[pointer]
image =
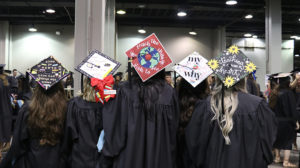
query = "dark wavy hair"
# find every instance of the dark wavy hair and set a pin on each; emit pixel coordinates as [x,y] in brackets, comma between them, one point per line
[284,84]
[149,91]
[188,96]
[47,114]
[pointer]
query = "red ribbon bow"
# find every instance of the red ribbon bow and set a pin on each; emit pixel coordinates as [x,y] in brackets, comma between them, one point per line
[100,86]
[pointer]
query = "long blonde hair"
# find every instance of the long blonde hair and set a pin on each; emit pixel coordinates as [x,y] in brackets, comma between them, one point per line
[231,102]
[88,91]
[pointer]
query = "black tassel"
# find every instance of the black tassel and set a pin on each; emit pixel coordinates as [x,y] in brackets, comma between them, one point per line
[222,101]
[129,72]
[81,83]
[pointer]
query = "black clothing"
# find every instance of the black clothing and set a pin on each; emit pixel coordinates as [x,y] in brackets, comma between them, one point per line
[83,127]
[132,139]
[252,136]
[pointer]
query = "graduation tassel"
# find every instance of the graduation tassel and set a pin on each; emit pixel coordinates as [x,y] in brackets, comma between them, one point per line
[222,101]
[175,84]
[81,83]
[129,72]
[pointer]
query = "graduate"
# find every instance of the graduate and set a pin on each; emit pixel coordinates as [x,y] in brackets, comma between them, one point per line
[191,89]
[140,123]
[231,129]
[84,117]
[283,103]
[40,124]
[5,109]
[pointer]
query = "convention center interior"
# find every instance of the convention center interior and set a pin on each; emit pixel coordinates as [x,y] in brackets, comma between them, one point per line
[149,83]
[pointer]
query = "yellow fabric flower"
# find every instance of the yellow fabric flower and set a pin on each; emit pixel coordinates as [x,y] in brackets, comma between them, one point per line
[213,64]
[233,49]
[250,67]
[229,81]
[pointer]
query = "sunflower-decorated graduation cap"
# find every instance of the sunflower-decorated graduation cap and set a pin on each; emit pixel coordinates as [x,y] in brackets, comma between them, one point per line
[48,72]
[193,69]
[232,66]
[97,65]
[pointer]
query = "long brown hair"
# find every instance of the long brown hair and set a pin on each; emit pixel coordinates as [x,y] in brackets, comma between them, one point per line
[47,114]
[3,77]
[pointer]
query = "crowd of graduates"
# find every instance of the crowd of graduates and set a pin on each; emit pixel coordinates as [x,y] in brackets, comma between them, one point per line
[157,123]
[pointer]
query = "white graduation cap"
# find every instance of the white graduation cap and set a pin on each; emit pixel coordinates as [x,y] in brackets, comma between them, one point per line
[193,69]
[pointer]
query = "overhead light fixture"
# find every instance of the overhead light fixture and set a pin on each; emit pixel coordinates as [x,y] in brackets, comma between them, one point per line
[299,19]
[297,38]
[193,33]
[231,2]
[51,11]
[121,12]
[32,29]
[142,6]
[254,36]
[297,55]
[247,35]
[142,31]
[249,16]
[58,32]
[181,14]
[293,37]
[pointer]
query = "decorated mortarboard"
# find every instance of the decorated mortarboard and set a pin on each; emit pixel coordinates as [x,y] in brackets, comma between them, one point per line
[149,57]
[232,66]
[193,69]
[98,65]
[48,72]
[100,68]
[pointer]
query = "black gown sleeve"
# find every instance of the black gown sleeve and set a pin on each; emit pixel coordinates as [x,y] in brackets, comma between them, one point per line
[115,128]
[18,147]
[196,143]
[267,130]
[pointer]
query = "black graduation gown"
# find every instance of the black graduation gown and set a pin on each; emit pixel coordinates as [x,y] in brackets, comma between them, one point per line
[252,136]
[134,141]
[26,152]
[83,127]
[286,114]
[5,113]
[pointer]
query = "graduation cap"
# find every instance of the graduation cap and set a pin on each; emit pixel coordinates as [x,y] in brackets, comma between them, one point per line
[2,68]
[99,68]
[48,72]
[296,70]
[148,57]
[232,66]
[282,77]
[193,69]
[7,71]
[97,65]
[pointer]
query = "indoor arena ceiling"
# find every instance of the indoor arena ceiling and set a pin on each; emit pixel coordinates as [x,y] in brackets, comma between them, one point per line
[200,14]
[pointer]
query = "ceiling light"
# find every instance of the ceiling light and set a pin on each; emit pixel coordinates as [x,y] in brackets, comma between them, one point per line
[297,38]
[181,14]
[247,35]
[32,29]
[121,12]
[299,19]
[58,32]
[293,37]
[142,6]
[193,33]
[231,2]
[297,55]
[249,16]
[142,31]
[50,11]
[254,36]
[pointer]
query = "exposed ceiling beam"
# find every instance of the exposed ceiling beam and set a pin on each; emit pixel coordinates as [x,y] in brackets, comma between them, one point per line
[36,4]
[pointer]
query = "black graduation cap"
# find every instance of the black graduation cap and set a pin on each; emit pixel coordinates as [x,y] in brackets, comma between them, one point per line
[168,73]
[7,71]
[282,77]
[296,70]
[232,66]
[48,72]
[2,68]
